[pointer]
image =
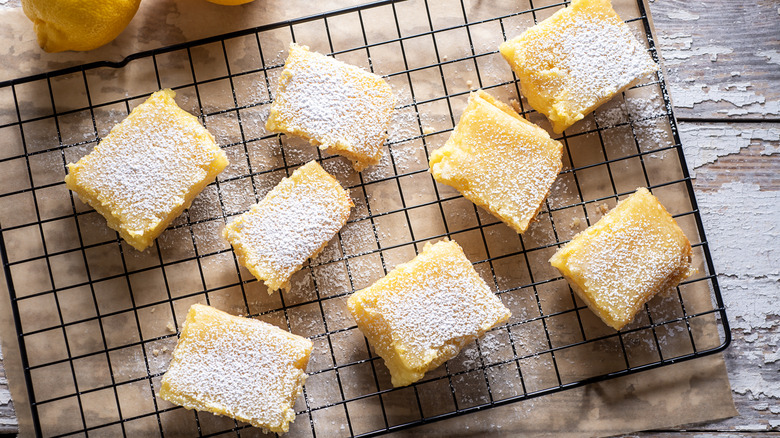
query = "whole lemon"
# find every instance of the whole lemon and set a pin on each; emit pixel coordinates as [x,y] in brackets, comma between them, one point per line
[78,24]
[230,2]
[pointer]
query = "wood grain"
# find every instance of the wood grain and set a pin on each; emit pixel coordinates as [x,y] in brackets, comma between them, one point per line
[724,67]
[758,162]
[7,414]
[722,57]
[702,434]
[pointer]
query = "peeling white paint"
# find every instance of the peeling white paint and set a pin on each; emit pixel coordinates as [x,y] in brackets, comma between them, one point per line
[744,254]
[682,15]
[739,94]
[743,226]
[772,358]
[772,56]
[679,49]
[683,49]
[703,145]
[751,427]
[751,380]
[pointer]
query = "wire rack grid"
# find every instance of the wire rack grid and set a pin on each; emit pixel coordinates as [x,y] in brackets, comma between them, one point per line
[97,320]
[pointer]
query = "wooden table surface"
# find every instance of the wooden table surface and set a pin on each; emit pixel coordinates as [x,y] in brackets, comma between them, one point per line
[723,62]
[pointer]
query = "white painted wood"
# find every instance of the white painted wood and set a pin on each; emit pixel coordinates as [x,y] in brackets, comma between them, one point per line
[7,415]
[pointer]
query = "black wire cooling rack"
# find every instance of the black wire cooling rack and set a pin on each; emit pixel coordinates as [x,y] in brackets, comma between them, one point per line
[97,320]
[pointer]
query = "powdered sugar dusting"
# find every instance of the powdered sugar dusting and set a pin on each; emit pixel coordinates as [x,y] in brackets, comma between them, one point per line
[499,162]
[577,59]
[148,165]
[291,224]
[632,253]
[432,305]
[601,58]
[614,279]
[338,106]
[248,369]
[439,310]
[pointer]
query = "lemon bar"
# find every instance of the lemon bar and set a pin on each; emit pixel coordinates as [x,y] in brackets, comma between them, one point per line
[148,169]
[424,311]
[292,223]
[499,161]
[576,60]
[246,369]
[632,253]
[343,109]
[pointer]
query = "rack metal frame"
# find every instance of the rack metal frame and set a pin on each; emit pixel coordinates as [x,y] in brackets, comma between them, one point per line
[17,297]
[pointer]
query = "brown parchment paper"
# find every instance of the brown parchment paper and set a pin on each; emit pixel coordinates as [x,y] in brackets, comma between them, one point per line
[684,393]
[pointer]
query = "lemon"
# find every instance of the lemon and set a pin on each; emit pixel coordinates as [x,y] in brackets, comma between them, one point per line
[230,2]
[78,24]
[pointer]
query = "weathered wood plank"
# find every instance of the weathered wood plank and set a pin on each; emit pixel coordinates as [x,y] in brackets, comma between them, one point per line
[723,57]
[7,415]
[739,195]
[721,153]
[701,434]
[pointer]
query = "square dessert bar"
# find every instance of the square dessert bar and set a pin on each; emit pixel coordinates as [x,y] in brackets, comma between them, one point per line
[342,108]
[499,161]
[634,252]
[576,60]
[424,311]
[293,223]
[148,169]
[246,369]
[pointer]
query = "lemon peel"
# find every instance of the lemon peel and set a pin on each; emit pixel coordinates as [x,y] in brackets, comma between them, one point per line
[78,25]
